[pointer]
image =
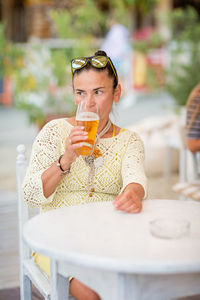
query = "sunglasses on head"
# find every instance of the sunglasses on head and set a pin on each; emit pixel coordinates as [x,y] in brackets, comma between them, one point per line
[97,61]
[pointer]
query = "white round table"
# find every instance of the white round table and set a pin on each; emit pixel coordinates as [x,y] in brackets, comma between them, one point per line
[115,253]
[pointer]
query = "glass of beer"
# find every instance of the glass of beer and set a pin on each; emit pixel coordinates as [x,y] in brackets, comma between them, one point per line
[87,115]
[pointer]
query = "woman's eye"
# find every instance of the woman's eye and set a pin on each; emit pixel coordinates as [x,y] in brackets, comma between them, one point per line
[99,92]
[79,93]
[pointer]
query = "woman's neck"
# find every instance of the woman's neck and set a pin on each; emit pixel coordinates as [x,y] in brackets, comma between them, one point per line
[101,127]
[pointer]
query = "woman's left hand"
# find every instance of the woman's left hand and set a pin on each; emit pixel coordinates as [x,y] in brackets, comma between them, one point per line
[129,201]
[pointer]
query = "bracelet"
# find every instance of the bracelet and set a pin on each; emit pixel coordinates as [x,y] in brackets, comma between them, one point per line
[63,172]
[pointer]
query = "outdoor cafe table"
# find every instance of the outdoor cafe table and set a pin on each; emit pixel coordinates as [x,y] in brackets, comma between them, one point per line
[114,252]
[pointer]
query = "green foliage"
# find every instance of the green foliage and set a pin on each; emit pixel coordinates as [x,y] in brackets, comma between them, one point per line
[88,19]
[84,19]
[40,87]
[35,114]
[80,26]
[58,58]
[182,73]
[10,55]
[62,23]
[120,12]
[2,50]
[123,11]
[185,26]
[181,77]
[153,42]
[143,5]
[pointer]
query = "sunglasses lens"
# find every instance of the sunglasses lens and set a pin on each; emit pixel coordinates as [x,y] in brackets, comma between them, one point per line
[96,61]
[78,63]
[99,61]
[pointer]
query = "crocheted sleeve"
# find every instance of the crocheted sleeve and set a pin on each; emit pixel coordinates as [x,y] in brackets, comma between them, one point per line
[45,152]
[133,163]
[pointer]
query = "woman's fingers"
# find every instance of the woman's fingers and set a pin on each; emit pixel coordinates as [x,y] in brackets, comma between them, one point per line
[77,134]
[128,202]
[128,206]
[123,203]
[76,138]
[77,145]
[134,209]
[78,130]
[74,141]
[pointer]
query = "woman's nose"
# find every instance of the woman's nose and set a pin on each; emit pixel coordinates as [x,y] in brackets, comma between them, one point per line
[90,101]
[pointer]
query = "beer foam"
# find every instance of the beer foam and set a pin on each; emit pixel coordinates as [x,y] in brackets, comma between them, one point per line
[87,116]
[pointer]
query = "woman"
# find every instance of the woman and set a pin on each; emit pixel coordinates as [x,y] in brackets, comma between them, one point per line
[193,120]
[58,177]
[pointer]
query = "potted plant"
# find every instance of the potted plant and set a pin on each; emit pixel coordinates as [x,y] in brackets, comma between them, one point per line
[10,61]
[41,87]
[68,25]
[182,72]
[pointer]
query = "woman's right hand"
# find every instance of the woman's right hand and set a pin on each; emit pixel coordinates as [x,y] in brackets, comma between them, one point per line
[74,141]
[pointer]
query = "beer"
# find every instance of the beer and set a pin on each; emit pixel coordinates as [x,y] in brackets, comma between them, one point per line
[90,121]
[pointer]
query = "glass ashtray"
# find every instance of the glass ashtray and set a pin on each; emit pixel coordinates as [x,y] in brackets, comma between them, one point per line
[169,228]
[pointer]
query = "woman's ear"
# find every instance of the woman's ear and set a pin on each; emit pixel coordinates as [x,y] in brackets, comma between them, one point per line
[117,93]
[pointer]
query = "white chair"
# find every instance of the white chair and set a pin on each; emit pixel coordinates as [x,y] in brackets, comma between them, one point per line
[29,271]
[189,172]
[189,184]
[188,161]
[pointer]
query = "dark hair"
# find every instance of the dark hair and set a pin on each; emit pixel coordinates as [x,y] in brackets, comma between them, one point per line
[108,67]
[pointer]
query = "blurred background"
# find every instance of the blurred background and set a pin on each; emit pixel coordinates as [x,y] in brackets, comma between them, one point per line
[154,45]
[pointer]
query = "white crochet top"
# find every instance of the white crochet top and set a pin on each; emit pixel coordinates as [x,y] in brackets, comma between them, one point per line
[123,163]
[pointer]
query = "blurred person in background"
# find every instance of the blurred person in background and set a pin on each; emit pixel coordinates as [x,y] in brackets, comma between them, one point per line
[117,46]
[116,43]
[193,120]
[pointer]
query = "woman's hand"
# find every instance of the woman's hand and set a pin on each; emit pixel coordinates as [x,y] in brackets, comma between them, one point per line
[75,141]
[130,200]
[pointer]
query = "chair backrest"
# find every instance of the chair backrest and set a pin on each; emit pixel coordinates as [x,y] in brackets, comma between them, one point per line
[23,211]
[21,166]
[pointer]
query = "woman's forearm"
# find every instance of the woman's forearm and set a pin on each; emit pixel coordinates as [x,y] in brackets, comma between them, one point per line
[193,145]
[52,177]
